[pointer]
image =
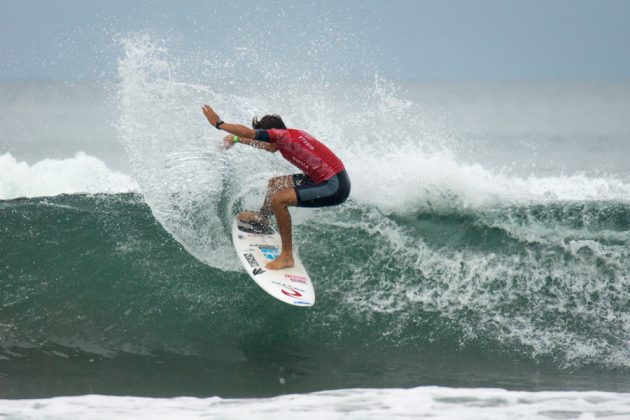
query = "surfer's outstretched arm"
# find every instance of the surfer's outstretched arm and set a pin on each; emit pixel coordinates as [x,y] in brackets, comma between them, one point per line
[245,134]
[236,129]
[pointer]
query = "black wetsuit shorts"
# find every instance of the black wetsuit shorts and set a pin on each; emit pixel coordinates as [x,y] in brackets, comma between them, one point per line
[335,190]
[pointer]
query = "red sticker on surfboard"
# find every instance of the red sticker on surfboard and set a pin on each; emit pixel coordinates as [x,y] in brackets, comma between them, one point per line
[292,292]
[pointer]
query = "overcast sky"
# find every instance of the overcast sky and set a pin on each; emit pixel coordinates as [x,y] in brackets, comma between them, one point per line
[443,40]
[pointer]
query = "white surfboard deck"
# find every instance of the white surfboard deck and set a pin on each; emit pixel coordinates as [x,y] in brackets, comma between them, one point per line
[255,249]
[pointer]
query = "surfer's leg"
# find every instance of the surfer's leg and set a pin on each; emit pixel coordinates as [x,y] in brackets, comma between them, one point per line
[264,215]
[279,204]
[275,185]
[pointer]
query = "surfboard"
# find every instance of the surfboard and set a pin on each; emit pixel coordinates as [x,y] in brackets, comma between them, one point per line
[257,245]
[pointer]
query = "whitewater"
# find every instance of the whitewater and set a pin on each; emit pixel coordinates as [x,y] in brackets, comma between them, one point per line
[427,402]
[464,258]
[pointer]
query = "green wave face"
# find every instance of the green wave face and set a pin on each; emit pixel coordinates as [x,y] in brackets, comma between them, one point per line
[97,297]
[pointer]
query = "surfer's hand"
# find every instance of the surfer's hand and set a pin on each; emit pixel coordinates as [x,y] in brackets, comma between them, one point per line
[211,116]
[228,141]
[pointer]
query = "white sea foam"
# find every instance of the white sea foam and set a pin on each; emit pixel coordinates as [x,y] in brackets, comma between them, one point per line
[79,174]
[422,402]
[412,180]
[524,300]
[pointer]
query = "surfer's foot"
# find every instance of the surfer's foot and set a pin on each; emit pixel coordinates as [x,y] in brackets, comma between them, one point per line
[282,261]
[254,216]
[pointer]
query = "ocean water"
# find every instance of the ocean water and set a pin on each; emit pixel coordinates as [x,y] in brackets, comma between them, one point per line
[481,265]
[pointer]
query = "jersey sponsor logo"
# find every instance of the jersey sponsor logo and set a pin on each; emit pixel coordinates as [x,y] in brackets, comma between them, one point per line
[291,292]
[251,260]
[257,271]
[306,143]
[300,162]
[293,277]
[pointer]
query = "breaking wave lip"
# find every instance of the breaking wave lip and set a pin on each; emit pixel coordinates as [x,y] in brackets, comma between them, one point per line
[439,182]
[81,173]
[432,401]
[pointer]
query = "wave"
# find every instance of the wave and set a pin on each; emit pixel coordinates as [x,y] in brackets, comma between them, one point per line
[79,174]
[532,263]
[538,283]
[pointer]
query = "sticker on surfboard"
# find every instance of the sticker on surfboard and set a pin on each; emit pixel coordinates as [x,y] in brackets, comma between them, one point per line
[256,245]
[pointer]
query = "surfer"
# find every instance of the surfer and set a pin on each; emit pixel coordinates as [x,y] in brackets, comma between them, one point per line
[323,181]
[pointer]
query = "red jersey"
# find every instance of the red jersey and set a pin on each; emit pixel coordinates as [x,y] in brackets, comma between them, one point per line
[307,153]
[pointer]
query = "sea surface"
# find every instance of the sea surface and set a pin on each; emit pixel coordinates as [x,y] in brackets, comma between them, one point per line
[481,266]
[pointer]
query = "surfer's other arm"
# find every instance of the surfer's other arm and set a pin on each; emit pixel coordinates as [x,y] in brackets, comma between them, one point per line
[245,134]
[228,141]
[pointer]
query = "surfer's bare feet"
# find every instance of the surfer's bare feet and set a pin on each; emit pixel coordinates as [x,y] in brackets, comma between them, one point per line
[282,261]
[253,216]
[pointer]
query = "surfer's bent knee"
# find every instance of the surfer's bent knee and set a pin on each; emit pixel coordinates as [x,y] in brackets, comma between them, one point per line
[283,198]
[280,182]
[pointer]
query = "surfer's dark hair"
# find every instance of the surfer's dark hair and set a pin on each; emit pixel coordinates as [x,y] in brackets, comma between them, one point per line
[267,122]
